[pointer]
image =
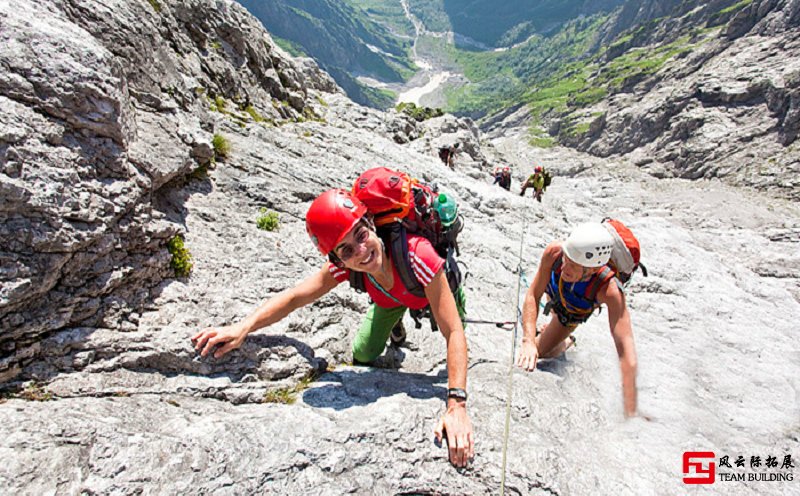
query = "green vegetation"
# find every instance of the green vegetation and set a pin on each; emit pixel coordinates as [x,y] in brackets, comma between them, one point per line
[540,138]
[735,7]
[502,79]
[181,261]
[253,113]
[216,45]
[288,395]
[35,391]
[268,221]
[581,84]
[222,147]
[321,101]
[292,48]
[387,13]
[200,173]
[156,5]
[218,104]
[418,113]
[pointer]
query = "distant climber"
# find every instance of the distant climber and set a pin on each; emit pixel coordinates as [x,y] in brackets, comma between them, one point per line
[577,278]
[447,154]
[539,181]
[502,176]
[342,229]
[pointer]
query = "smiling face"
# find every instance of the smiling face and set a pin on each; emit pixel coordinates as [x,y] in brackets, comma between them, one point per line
[361,250]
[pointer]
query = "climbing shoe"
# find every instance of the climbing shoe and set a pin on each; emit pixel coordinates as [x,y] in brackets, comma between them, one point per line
[398,335]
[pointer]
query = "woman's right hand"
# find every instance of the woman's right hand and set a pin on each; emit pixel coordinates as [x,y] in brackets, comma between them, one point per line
[528,354]
[230,337]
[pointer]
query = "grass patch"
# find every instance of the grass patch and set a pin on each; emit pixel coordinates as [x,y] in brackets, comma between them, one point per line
[215,45]
[292,48]
[181,261]
[35,392]
[268,221]
[735,7]
[288,395]
[253,113]
[218,104]
[222,147]
[156,5]
[200,173]
[321,101]
[543,141]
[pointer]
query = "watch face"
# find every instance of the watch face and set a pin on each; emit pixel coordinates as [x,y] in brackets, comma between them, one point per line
[457,393]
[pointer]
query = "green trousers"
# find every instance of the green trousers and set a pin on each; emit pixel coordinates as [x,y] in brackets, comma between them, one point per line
[378,324]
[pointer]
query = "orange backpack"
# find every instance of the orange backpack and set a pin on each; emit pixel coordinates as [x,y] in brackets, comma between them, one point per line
[626,253]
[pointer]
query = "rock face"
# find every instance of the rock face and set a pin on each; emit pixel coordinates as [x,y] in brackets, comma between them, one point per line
[102,141]
[104,106]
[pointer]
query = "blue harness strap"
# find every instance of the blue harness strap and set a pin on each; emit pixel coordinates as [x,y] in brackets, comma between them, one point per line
[575,302]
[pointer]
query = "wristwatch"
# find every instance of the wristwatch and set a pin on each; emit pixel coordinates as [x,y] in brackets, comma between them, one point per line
[457,393]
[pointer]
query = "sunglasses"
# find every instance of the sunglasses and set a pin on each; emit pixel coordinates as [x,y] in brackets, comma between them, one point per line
[346,251]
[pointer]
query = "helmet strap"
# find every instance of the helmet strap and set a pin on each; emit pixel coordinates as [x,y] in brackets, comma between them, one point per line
[332,258]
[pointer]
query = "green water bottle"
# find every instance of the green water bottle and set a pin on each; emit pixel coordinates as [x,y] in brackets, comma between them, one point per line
[447,208]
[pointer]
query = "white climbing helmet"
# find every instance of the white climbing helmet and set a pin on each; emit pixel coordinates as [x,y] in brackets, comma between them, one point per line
[589,245]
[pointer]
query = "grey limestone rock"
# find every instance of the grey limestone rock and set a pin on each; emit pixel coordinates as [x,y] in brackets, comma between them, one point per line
[105,148]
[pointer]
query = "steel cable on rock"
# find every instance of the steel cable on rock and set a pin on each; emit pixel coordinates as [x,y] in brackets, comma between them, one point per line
[518,320]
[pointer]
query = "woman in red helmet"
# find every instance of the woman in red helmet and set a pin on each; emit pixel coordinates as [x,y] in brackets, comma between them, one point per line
[341,229]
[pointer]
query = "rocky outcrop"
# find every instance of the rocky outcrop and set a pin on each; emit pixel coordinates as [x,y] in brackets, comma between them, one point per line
[103,107]
[733,116]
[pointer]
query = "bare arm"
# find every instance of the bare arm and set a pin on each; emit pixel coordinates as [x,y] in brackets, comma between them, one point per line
[619,321]
[443,306]
[530,309]
[455,421]
[271,311]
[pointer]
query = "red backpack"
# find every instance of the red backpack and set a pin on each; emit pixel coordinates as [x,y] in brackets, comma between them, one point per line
[626,253]
[400,205]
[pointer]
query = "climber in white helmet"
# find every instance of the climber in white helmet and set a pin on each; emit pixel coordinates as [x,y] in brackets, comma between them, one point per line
[577,280]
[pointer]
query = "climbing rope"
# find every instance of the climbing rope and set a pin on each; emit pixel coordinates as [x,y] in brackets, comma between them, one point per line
[521,274]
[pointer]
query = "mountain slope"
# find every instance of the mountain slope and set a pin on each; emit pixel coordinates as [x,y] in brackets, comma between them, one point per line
[343,39]
[707,92]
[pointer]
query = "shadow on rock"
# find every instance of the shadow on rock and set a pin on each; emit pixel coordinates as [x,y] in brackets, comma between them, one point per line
[360,386]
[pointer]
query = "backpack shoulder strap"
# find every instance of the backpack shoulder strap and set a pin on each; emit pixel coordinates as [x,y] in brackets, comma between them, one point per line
[598,281]
[356,280]
[397,239]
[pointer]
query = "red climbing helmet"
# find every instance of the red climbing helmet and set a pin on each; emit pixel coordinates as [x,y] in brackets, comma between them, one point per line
[538,168]
[331,216]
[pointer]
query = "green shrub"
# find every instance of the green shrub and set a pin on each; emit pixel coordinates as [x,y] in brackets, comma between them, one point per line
[156,6]
[222,146]
[268,221]
[418,113]
[181,258]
